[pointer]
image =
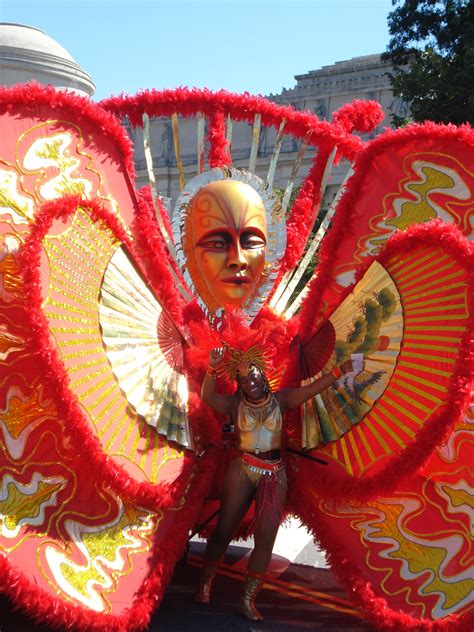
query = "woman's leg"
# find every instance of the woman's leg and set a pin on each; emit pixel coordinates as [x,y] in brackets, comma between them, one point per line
[264,536]
[236,498]
[267,529]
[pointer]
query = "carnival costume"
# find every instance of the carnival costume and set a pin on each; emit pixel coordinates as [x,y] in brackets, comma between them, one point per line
[109,312]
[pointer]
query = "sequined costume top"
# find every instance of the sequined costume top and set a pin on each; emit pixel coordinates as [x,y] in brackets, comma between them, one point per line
[260,426]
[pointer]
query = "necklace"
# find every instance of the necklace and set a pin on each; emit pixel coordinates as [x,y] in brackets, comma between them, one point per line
[256,403]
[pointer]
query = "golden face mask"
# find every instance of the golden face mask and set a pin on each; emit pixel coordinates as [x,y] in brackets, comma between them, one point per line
[225,243]
[230,234]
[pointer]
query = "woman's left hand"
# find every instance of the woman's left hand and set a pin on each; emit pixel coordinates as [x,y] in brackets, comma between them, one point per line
[346,367]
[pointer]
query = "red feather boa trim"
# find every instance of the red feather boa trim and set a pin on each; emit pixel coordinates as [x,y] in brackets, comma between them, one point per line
[433,432]
[302,125]
[241,107]
[154,256]
[359,116]
[218,144]
[304,211]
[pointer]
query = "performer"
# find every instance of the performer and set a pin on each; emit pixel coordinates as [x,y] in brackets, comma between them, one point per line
[259,472]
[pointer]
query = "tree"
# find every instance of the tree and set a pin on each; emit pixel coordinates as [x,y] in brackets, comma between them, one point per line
[432,53]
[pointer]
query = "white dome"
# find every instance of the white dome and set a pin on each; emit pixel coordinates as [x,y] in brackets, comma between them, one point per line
[28,53]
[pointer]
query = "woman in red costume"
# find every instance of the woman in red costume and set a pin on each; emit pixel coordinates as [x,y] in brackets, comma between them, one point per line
[259,472]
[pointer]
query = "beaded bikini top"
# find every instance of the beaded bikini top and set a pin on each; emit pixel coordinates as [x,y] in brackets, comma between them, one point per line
[260,425]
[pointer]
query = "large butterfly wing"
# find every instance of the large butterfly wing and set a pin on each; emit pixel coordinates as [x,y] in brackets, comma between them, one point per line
[91,523]
[394,503]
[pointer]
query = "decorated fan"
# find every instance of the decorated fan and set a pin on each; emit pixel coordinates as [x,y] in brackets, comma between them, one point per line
[110,311]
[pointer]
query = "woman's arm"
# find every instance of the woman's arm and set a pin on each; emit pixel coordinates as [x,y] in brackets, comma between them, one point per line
[293,397]
[220,403]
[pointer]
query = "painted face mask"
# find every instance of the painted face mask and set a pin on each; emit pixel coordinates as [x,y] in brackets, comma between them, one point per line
[225,243]
[229,232]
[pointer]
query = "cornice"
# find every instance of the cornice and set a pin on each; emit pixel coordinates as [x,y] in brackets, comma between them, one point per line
[34,62]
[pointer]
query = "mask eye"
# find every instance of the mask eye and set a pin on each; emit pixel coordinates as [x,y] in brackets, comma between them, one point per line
[215,242]
[251,240]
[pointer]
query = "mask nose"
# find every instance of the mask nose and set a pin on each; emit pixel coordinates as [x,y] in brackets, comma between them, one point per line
[236,257]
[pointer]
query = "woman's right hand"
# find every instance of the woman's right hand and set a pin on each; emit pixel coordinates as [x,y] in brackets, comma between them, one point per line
[215,356]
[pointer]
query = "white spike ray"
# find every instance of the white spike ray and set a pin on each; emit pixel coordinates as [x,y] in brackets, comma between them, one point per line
[257,122]
[154,197]
[228,132]
[312,249]
[292,282]
[294,173]
[201,123]
[275,155]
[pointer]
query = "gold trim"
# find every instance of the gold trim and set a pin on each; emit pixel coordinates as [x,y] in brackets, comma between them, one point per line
[439,281]
[436,301]
[345,453]
[442,308]
[355,449]
[419,380]
[363,438]
[423,368]
[406,276]
[423,393]
[456,341]
[394,263]
[429,319]
[403,427]
[427,357]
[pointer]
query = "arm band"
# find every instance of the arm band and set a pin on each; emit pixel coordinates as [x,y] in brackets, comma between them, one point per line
[211,371]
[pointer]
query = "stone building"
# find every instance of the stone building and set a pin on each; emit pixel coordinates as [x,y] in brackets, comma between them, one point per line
[29,54]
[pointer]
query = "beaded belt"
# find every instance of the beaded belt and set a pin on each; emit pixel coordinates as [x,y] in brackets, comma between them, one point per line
[261,467]
[270,455]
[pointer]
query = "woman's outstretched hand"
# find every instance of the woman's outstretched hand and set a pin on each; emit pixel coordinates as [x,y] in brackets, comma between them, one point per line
[346,367]
[215,356]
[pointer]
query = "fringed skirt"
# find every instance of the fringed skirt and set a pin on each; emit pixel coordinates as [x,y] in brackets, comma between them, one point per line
[267,477]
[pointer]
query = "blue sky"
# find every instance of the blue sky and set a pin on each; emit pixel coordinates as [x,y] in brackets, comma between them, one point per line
[242,45]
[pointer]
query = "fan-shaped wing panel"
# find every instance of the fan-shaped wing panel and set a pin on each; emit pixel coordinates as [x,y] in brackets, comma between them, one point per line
[144,349]
[73,552]
[410,315]
[112,357]
[370,322]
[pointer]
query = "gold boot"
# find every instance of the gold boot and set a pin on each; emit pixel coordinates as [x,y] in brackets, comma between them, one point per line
[203,592]
[252,585]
